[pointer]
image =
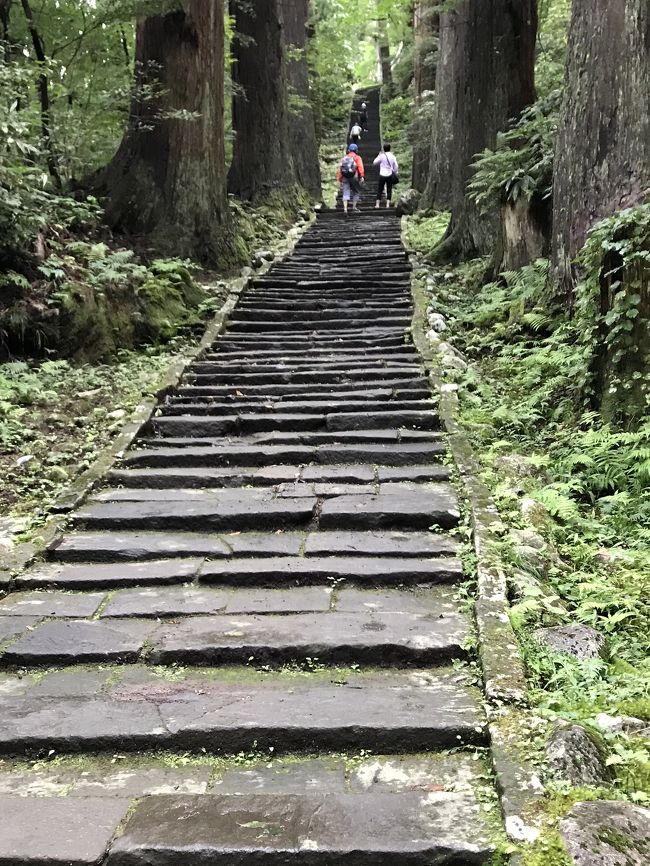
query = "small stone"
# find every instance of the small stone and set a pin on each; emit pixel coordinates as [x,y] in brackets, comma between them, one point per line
[116,415]
[576,640]
[516,465]
[628,724]
[573,754]
[534,512]
[408,202]
[437,322]
[607,833]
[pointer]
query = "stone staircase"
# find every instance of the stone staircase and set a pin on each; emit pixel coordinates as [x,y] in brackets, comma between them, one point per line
[249,647]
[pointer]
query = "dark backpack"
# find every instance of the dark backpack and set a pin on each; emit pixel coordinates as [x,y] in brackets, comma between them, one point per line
[348,167]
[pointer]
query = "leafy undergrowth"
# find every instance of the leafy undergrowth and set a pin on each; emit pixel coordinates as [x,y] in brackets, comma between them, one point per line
[560,470]
[56,417]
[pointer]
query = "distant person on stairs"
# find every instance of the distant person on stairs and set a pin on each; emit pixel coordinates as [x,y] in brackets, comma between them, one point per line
[388,174]
[363,118]
[355,134]
[351,175]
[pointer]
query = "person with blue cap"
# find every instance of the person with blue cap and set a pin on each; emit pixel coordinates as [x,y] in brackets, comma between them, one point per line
[351,175]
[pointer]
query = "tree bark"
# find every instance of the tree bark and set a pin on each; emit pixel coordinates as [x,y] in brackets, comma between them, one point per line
[167,180]
[524,232]
[425,33]
[603,150]
[383,59]
[304,147]
[484,79]
[262,160]
[43,86]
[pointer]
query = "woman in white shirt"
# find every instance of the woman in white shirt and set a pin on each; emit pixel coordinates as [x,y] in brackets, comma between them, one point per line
[388,170]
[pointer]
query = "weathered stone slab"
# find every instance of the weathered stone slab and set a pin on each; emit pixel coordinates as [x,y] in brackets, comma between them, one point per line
[71,683]
[409,510]
[124,546]
[11,626]
[444,774]
[396,544]
[78,641]
[359,569]
[246,512]
[313,829]
[419,474]
[391,711]
[294,600]
[285,777]
[279,543]
[78,724]
[349,474]
[51,604]
[57,831]
[607,833]
[167,601]
[378,638]
[96,575]
[141,781]
[436,602]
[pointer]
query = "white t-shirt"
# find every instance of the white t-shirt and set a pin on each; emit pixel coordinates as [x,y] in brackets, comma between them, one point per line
[387,164]
[356,130]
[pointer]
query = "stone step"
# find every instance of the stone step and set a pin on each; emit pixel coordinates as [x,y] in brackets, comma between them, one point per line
[305,406]
[387,388]
[361,570]
[142,546]
[238,510]
[56,814]
[304,322]
[207,421]
[379,638]
[242,476]
[405,454]
[226,396]
[254,568]
[236,710]
[256,311]
[314,829]
[290,376]
[307,364]
[308,437]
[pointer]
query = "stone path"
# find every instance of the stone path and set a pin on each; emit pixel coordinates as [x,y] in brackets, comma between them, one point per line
[271,573]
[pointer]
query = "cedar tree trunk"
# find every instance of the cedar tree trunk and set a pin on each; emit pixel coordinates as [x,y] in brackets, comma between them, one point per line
[167,179]
[262,160]
[383,59]
[425,31]
[302,131]
[484,79]
[603,151]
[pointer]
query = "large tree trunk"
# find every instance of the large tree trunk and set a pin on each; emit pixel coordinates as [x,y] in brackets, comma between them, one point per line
[603,148]
[304,148]
[425,32]
[485,78]
[262,160]
[167,180]
[383,58]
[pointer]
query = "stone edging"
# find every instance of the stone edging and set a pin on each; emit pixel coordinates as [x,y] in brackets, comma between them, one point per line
[22,555]
[500,658]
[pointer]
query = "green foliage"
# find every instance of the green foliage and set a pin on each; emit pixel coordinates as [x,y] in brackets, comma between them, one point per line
[529,390]
[522,162]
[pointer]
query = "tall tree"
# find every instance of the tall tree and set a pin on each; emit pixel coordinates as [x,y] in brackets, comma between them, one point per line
[304,147]
[262,159]
[484,78]
[383,54]
[602,161]
[425,33]
[167,179]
